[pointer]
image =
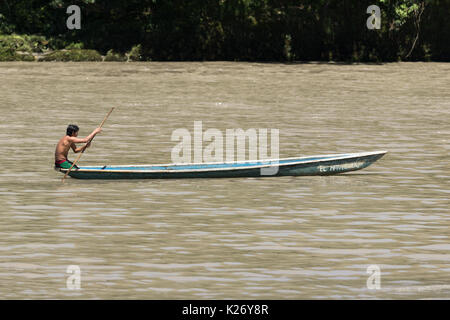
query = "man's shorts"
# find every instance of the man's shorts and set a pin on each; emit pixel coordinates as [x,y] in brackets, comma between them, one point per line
[65,164]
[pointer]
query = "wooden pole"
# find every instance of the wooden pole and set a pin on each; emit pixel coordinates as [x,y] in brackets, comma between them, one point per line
[79,156]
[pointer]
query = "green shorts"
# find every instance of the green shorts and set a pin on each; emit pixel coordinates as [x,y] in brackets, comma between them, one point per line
[66,164]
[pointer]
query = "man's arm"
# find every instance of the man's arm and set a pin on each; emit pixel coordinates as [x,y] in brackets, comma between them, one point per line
[76,150]
[88,138]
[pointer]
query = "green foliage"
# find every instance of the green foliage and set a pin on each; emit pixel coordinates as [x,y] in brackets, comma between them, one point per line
[58,43]
[5,27]
[75,55]
[37,43]
[261,30]
[14,42]
[135,53]
[77,45]
[404,9]
[23,43]
[7,54]
[114,56]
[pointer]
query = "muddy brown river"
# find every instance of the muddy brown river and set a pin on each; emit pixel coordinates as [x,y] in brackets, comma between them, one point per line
[242,238]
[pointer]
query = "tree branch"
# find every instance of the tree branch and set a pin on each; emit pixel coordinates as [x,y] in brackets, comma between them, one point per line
[417,16]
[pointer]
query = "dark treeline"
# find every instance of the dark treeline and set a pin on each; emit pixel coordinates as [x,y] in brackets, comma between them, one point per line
[250,30]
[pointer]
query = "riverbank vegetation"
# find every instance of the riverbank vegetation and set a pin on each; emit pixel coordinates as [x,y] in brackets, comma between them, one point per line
[236,30]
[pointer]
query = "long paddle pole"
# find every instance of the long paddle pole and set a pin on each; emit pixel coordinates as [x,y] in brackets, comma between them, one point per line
[79,156]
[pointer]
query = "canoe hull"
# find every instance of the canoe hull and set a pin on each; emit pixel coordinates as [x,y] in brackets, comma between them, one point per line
[305,166]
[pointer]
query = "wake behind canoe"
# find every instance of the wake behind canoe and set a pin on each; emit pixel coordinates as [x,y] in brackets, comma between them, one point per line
[300,166]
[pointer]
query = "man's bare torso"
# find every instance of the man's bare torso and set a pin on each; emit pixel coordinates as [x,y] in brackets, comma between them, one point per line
[62,148]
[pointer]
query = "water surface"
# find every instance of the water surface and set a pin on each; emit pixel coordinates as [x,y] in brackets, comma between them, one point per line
[283,238]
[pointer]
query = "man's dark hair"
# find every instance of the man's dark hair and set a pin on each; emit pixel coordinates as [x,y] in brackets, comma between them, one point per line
[72,128]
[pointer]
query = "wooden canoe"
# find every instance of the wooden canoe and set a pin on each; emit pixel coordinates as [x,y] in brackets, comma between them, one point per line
[300,166]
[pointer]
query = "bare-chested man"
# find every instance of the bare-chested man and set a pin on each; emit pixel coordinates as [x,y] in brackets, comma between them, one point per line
[67,142]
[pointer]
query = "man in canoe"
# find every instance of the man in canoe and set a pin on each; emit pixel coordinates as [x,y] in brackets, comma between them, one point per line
[67,142]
